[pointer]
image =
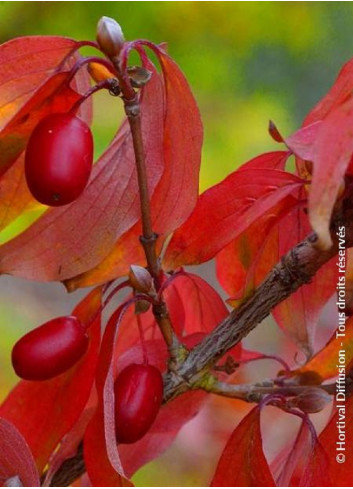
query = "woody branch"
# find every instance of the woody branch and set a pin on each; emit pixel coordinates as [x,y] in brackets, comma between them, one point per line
[295,269]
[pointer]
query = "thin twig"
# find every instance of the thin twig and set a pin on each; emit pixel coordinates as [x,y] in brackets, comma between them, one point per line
[149,237]
[256,392]
[70,470]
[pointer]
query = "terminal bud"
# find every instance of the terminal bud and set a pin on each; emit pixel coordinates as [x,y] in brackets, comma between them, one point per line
[312,400]
[110,37]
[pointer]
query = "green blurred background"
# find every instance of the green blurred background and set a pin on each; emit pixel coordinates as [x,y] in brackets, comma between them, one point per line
[247,62]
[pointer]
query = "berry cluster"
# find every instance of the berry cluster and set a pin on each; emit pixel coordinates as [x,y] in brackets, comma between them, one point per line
[57,345]
[58,165]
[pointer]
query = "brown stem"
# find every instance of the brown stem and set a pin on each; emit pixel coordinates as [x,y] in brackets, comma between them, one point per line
[70,470]
[298,267]
[132,110]
[295,269]
[256,392]
[133,113]
[149,237]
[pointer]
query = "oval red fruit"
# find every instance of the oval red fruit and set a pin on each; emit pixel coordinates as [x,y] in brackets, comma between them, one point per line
[58,160]
[50,349]
[138,393]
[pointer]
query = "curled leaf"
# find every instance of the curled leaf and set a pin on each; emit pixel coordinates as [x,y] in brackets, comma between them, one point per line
[332,153]
[243,462]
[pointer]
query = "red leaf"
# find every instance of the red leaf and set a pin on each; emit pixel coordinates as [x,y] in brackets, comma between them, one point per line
[98,465]
[339,93]
[15,197]
[298,315]
[58,246]
[226,210]
[45,411]
[291,465]
[333,151]
[324,362]
[275,160]
[244,263]
[176,193]
[16,459]
[316,474]
[29,93]
[20,59]
[302,141]
[127,250]
[101,456]
[323,462]
[243,462]
[340,474]
[194,307]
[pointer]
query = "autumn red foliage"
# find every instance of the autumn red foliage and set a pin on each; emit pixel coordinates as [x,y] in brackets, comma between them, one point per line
[131,226]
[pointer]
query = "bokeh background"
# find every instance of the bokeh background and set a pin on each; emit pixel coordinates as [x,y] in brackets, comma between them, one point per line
[247,63]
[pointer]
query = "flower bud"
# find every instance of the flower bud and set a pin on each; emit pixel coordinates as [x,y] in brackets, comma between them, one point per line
[311,400]
[110,37]
[140,279]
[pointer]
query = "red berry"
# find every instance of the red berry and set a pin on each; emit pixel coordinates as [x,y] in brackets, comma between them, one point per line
[138,393]
[59,158]
[50,349]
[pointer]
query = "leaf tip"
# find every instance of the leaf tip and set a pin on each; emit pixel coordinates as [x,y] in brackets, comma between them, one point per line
[274,132]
